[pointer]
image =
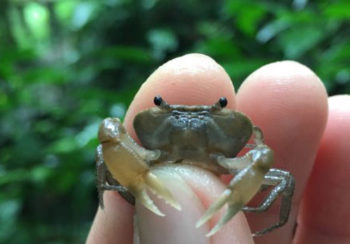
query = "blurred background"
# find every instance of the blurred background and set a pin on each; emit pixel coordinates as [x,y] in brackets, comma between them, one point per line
[67,64]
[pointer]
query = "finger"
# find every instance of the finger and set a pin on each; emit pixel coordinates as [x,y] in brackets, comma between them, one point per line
[195,189]
[191,79]
[289,103]
[324,215]
[114,223]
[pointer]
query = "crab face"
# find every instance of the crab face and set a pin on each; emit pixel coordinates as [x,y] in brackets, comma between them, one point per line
[193,132]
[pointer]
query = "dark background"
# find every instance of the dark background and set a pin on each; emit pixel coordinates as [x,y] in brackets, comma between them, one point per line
[67,64]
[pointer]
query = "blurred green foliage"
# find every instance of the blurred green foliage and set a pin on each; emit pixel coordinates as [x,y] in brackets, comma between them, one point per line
[66,64]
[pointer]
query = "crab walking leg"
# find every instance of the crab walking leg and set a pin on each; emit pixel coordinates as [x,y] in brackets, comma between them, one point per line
[123,192]
[282,181]
[284,185]
[103,178]
[242,187]
[127,162]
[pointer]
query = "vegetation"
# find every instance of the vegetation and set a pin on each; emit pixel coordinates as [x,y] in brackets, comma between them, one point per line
[66,64]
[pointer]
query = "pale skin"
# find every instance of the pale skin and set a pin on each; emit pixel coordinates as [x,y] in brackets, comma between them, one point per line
[289,103]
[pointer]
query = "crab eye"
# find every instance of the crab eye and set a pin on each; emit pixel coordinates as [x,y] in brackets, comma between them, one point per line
[223,102]
[158,100]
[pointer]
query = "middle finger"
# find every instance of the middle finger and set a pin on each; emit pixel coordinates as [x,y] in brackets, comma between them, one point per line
[289,103]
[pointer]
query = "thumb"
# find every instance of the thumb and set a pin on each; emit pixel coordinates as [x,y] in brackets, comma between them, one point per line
[195,189]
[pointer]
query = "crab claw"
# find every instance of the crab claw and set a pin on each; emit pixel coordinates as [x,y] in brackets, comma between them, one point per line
[242,187]
[127,163]
[234,206]
[152,183]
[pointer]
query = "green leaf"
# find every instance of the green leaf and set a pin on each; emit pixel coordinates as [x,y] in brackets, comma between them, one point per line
[83,13]
[64,145]
[337,10]
[37,17]
[299,39]
[9,210]
[221,48]
[247,14]
[162,41]
[240,69]
[87,134]
[65,9]
[12,176]
[127,53]
[271,29]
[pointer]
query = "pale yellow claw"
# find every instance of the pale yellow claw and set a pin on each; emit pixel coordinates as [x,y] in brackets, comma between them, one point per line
[125,160]
[241,188]
[231,211]
[146,201]
[155,185]
[221,201]
[234,206]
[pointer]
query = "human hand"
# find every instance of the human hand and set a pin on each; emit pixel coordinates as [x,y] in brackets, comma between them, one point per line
[289,103]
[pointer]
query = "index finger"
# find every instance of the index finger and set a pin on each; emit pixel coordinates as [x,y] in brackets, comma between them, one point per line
[191,79]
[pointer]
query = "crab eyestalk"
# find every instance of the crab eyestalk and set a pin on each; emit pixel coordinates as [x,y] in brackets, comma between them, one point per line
[220,104]
[159,101]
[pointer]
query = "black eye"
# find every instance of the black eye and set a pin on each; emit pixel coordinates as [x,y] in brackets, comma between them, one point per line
[158,100]
[223,102]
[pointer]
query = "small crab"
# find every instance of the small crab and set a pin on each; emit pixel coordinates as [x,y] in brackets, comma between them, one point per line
[209,137]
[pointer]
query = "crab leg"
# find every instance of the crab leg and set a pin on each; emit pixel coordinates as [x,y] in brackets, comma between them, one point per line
[253,166]
[103,176]
[105,181]
[284,185]
[127,163]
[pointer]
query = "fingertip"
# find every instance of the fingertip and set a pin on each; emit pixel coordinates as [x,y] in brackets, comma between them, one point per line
[192,79]
[340,107]
[189,79]
[289,102]
[282,84]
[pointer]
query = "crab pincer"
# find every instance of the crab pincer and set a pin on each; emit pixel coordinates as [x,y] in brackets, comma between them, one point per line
[252,168]
[127,164]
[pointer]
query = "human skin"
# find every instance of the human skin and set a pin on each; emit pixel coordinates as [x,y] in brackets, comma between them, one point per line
[289,103]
